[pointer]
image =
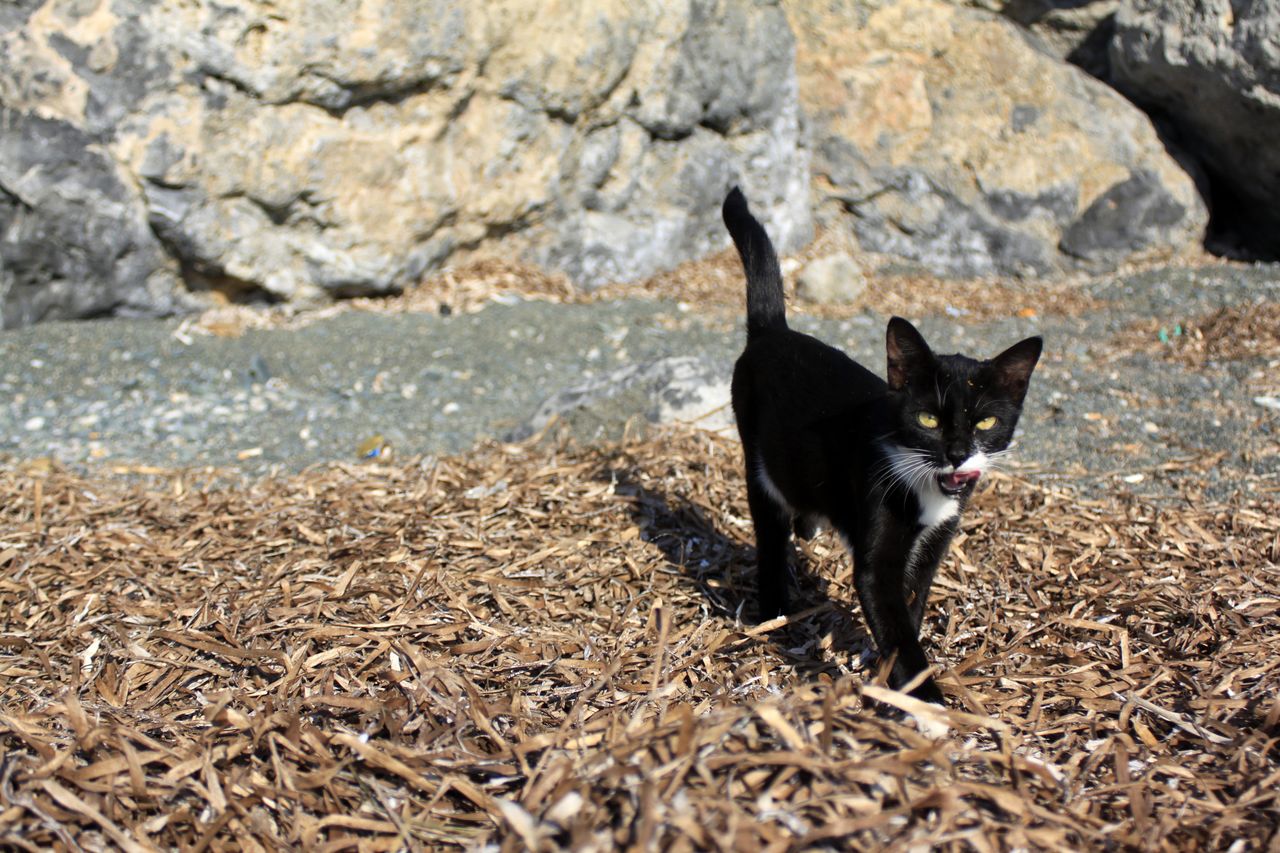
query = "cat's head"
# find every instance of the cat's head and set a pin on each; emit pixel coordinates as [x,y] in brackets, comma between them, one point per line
[953,413]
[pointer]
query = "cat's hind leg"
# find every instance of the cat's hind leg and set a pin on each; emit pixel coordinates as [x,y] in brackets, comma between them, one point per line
[773,538]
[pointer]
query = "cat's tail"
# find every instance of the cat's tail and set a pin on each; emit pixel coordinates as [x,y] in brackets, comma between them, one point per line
[765,308]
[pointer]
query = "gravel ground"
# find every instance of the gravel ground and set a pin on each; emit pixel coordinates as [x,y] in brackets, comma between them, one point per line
[1107,409]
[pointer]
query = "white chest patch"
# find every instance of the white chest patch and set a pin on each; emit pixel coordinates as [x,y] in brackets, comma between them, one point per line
[935,507]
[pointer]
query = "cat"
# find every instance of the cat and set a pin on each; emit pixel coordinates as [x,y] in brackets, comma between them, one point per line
[889,465]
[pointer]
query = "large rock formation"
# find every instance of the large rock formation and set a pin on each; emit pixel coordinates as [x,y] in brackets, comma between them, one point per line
[1078,31]
[304,149]
[958,144]
[74,239]
[310,147]
[677,389]
[1212,67]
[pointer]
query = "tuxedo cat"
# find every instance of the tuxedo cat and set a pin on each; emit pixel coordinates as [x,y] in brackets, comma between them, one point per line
[889,465]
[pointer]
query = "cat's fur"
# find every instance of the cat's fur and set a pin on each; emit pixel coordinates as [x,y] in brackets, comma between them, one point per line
[826,439]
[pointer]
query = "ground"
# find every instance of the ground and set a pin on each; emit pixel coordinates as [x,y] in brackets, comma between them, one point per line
[552,643]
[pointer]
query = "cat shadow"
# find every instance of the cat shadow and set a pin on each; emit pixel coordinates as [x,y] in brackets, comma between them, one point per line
[722,569]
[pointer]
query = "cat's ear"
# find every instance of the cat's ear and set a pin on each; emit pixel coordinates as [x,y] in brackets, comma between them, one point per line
[907,352]
[1012,368]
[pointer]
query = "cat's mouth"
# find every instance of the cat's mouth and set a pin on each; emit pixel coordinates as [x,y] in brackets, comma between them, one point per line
[957,481]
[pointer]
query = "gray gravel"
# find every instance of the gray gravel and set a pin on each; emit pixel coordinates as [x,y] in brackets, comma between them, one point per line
[130,391]
[113,392]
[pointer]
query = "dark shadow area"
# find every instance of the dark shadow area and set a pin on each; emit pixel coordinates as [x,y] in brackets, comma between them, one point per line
[723,570]
[1235,230]
[1093,33]
[1091,54]
[199,278]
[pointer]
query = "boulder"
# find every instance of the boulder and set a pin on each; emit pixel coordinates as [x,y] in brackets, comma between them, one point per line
[1078,31]
[1212,68]
[69,215]
[954,142]
[832,279]
[258,150]
[677,389]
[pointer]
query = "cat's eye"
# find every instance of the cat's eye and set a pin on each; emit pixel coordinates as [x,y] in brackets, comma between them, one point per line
[986,423]
[927,420]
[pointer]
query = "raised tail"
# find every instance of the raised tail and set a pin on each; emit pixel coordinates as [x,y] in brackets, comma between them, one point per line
[765,308]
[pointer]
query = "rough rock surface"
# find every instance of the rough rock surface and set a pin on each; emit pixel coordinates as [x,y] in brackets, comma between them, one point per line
[1213,68]
[69,215]
[676,389]
[253,148]
[1078,31]
[832,279]
[958,144]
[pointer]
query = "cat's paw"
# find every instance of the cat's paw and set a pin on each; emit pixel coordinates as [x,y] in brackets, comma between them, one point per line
[926,690]
[773,598]
[929,691]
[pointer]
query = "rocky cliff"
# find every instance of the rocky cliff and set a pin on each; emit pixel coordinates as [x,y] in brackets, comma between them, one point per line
[301,150]
[957,141]
[1211,68]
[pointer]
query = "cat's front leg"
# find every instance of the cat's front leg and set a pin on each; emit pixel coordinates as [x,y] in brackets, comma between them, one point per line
[879,566]
[921,566]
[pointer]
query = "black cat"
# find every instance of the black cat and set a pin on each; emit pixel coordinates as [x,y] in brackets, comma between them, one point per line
[889,465]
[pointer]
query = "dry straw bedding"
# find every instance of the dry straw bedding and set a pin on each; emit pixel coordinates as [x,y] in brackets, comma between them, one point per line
[713,283]
[1234,333]
[544,646]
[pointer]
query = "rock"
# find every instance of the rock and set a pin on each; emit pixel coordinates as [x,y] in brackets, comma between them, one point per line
[951,141]
[69,215]
[675,389]
[1213,69]
[259,152]
[831,280]
[1124,220]
[1078,31]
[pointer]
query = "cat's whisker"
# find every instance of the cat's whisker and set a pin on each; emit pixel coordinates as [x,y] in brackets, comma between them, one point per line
[922,477]
[887,477]
[916,471]
[997,460]
[906,473]
[893,475]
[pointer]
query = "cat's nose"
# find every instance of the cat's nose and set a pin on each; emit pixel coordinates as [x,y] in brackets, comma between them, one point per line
[957,456]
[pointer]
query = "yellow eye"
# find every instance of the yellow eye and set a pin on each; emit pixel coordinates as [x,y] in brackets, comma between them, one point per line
[986,423]
[927,420]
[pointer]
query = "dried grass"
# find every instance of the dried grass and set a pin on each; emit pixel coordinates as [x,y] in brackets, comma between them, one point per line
[716,282]
[541,646]
[713,283]
[464,289]
[1226,334]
